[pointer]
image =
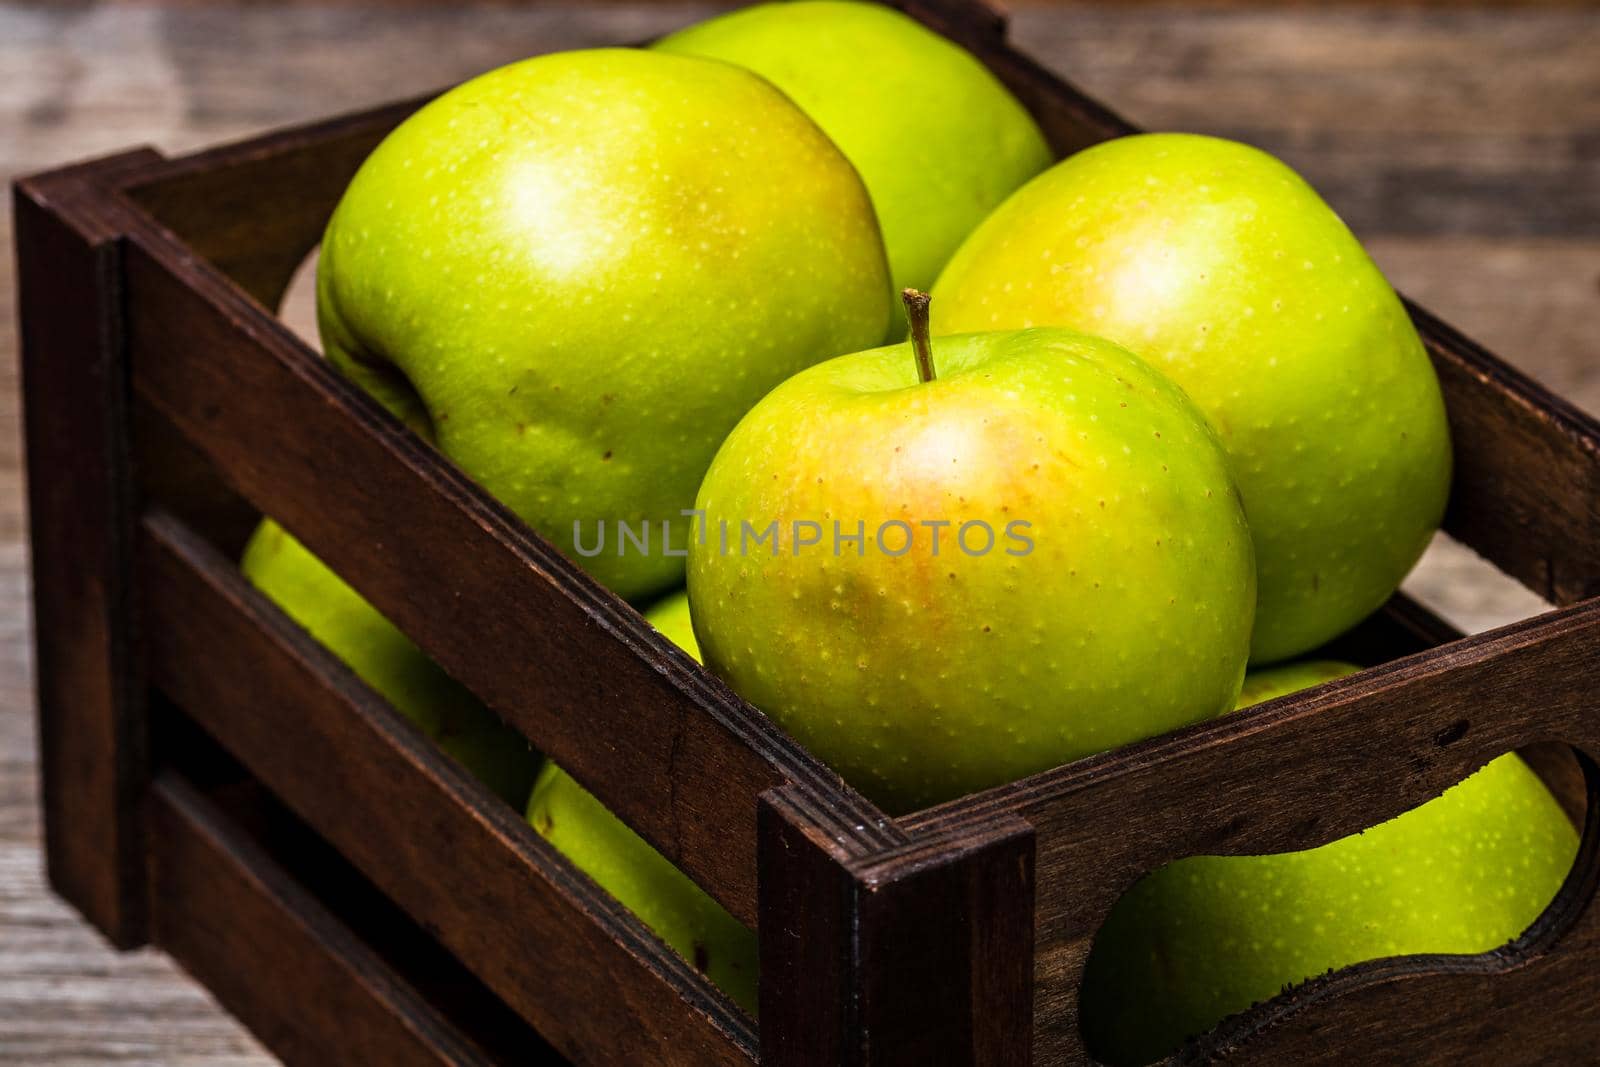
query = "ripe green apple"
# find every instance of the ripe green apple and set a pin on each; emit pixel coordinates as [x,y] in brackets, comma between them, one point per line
[579,270]
[1092,585]
[1208,936]
[937,139]
[1224,269]
[384,658]
[620,862]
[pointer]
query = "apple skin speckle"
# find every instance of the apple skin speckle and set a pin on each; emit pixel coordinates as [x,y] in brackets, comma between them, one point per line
[1230,275]
[557,258]
[937,138]
[1025,660]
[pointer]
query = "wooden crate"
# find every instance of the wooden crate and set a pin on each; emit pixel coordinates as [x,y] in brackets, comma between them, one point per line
[218,785]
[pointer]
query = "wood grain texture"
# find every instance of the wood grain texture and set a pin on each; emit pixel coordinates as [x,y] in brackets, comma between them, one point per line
[922,954]
[91,724]
[258,231]
[1543,530]
[959,907]
[231,916]
[1469,170]
[467,867]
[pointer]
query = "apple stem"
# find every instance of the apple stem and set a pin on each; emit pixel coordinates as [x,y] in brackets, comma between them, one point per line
[917,302]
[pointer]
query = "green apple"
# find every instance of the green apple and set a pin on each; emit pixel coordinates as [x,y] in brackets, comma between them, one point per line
[1219,265]
[581,269]
[937,139]
[639,877]
[1207,936]
[384,658]
[1091,584]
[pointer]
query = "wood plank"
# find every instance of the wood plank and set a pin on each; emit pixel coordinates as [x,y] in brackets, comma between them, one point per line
[1543,530]
[258,230]
[922,954]
[414,957]
[91,728]
[560,952]
[273,955]
[947,948]
[1411,122]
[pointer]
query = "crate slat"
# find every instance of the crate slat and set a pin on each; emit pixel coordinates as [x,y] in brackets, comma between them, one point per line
[256,208]
[1535,1002]
[239,923]
[465,866]
[1526,493]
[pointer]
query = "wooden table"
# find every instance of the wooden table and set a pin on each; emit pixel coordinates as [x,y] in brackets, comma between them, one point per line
[1464,146]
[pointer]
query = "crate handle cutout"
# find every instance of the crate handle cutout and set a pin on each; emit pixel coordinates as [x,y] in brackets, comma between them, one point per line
[1561,928]
[1258,781]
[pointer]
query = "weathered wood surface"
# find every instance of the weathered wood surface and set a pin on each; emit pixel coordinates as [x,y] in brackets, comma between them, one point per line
[1465,146]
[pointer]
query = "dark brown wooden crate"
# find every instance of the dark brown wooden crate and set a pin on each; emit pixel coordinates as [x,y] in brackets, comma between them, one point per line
[160,392]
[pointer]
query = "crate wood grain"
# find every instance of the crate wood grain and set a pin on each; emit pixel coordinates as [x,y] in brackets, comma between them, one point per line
[167,407]
[235,919]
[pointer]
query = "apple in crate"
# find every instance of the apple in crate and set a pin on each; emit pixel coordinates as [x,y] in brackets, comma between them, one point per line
[640,878]
[937,138]
[945,567]
[578,272]
[383,657]
[1224,269]
[1207,936]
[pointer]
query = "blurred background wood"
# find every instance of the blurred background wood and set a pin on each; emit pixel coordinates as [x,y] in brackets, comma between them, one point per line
[1462,143]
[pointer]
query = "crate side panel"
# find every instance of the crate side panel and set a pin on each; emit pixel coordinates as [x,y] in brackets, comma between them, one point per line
[1527,481]
[256,208]
[1383,741]
[1536,1000]
[464,865]
[306,986]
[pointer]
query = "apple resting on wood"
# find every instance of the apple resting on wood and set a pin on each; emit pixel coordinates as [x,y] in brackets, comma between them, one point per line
[624,865]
